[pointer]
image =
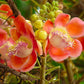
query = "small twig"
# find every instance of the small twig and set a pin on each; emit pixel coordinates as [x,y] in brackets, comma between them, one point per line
[81,79]
[44,1]
[37,4]
[59,75]
[69,71]
[18,74]
[43,69]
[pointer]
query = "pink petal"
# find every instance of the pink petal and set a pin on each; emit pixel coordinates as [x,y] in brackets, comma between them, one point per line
[17,62]
[48,26]
[22,26]
[46,47]
[30,62]
[15,34]
[58,54]
[3,36]
[62,19]
[81,39]
[2,61]
[9,63]
[4,51]
[76,48]
[75,27]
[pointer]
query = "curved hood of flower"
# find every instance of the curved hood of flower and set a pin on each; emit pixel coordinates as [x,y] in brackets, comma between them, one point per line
[25,29]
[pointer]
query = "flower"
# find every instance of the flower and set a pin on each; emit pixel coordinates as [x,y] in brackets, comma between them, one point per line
[23,53]
[5,7]
[61,42]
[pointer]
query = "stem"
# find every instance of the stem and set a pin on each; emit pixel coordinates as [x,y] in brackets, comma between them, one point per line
[81,79]
[13,7]
[69,71]
[3,2]
[37,4]
[42,72]
[44,1]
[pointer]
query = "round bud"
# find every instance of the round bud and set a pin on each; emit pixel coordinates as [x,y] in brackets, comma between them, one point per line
[51,14]
[38,24]
[41,11]
[44,7]
[42,35]
[53,3]
[53,19]
[55,8]
[34,17]
[58,12]
[48,4]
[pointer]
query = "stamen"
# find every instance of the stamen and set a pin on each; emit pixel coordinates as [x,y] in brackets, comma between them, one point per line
[60,38]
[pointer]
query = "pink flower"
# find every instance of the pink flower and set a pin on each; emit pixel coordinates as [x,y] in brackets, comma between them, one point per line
[23,54]
[60,42]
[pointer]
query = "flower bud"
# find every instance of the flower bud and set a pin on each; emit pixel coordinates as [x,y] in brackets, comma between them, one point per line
[34,17]
[42,35]
[51,14]
[44,7]
[38,24]
[58,12]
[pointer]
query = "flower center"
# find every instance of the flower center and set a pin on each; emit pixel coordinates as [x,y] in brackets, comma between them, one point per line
[59,37]
[22,48]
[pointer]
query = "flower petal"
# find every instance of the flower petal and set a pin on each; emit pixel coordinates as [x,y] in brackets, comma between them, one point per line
[76,49]
[62,19]
[17,62]
[75,27]
[58,54]
[46,47]
[15,34]
[48,26]
[22,26]
[36,46]
[4,51]
[81,39]
[7,8]
[2,61]
[3,36]
[30,62]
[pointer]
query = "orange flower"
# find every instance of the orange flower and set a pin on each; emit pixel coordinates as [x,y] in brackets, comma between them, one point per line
[23,54]
[5,7]
[60,42]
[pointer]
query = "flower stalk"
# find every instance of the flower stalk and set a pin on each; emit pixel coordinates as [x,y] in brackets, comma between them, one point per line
[42,70]
[69,71]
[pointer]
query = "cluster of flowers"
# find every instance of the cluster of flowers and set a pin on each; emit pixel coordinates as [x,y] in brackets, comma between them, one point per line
[19,48]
